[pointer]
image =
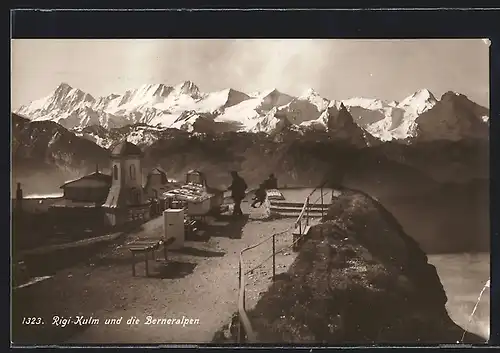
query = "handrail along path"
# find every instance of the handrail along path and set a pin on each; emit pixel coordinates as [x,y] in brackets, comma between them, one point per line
[245,331]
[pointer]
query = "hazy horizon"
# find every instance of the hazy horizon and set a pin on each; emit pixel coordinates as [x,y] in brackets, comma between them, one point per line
[335,68]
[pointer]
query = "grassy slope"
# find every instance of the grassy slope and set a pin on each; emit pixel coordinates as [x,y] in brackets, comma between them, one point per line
[358,280]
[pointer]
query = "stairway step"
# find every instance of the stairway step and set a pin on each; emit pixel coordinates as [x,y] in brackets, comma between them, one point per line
[294,214]
[297,210]
[297,205]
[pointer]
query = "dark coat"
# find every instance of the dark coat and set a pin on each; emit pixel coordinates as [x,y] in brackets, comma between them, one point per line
[238,188]
[271,183]
[260,194]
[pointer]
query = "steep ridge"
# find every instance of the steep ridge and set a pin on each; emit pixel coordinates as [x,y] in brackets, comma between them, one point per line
[341,126]
[260,113]
[358,279]
[391,120]
[185,107]
[306,107]
[64,99]
[453,118]
[66,105]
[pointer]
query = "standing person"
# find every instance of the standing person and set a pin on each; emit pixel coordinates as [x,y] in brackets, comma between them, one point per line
[271,182]
[238,188]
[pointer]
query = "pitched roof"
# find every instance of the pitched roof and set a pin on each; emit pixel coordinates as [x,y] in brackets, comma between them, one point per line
[94,176]
[157,170]
[126,148]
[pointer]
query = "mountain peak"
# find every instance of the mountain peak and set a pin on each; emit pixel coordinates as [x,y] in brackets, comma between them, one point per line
[63,87]
[233,91]
[455,117]
[420,95]
[419,102]
[157,104]
[269,92]
[451,94]
[425,93]
[156,89]
[188,87]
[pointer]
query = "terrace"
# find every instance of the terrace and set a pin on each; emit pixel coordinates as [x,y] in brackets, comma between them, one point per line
[199,281]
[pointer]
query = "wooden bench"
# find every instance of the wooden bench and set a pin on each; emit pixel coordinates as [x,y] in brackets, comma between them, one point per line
[147,247]
[299,236]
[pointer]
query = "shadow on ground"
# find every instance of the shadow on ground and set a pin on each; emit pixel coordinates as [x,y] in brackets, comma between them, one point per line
[198,252]
[174,270]
[226,226]
[48,262]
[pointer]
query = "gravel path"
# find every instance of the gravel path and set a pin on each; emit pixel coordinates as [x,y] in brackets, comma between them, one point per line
[199,283]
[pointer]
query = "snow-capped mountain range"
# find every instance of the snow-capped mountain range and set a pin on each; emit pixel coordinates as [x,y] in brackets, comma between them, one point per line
[185,107]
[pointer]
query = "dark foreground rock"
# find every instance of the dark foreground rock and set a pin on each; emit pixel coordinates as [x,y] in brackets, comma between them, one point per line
[358,279]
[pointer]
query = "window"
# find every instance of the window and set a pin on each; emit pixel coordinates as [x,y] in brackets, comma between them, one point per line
[135,196]
[115,172]
[132,172]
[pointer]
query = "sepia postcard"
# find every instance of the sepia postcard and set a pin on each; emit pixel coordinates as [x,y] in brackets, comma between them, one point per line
[284,191]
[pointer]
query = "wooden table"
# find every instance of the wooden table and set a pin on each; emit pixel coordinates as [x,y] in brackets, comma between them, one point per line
[147,247]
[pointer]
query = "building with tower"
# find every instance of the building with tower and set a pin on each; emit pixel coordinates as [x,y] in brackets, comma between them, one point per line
[157,183]
[126,200]
[96,200]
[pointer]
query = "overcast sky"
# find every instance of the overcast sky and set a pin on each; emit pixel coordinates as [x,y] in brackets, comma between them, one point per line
[337,69]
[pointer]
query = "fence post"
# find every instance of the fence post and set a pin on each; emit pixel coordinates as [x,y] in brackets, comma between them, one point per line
[274,257]
[294,237]
[322,203]
[241,330]
[307,211]
[239,275]
[244,299]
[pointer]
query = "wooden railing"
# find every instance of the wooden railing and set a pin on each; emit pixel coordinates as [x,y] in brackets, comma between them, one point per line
[245,329]
[304,211]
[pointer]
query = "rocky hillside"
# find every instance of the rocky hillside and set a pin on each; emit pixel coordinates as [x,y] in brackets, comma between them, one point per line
[44,154]
[298,157]
[294,161]
[453,118]
[358,279]
[48,142]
